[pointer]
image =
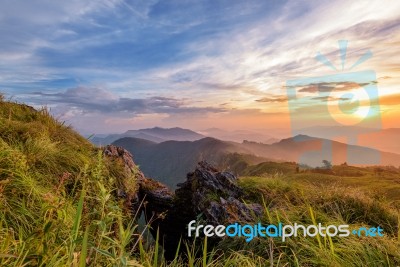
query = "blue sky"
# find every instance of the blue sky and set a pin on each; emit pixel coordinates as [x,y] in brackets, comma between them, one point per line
[113,65]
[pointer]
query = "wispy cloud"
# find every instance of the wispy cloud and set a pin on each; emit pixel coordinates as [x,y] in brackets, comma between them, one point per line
[273,99]
[186,57]
[326,87]
[92,100]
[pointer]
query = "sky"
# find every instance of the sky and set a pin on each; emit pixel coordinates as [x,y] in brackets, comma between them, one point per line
[108,66]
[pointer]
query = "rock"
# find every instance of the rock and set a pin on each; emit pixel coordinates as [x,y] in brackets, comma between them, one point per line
[215,195]
[156,197]
[141,193]
[119,153]
[128,176]
[207,195]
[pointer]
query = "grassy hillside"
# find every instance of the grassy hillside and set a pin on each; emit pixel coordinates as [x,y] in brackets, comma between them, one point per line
[290,202]
[57,208]
[382,181]
[56,195]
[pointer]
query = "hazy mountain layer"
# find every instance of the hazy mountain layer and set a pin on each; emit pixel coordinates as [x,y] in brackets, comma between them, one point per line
[155,134]
[169,161]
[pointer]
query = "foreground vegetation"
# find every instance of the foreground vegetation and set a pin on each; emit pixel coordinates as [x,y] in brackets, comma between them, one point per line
[58,208]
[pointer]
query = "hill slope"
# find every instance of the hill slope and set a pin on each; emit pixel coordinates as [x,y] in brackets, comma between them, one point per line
[55,186]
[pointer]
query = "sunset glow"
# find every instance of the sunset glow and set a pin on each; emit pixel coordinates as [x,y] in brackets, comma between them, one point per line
[111,66]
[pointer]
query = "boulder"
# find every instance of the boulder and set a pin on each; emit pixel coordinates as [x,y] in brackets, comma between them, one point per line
[208,195]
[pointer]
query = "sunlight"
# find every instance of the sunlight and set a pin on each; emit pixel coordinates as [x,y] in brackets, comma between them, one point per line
[361,112]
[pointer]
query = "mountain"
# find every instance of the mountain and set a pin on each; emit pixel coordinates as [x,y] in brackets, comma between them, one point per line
[385,140]
[324,131]
[309,150]
[170,161]
[155,134]
[158,135]
[239,135]
[380,139]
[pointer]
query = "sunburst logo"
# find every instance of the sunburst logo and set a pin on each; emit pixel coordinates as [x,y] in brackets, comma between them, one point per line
[350,107]
[343,53]
[345,98]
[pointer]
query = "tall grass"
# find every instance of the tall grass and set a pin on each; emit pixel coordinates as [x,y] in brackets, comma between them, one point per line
[57,201]
[58,207]
[311,205]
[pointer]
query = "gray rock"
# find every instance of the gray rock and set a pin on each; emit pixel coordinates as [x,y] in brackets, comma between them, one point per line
[207,194]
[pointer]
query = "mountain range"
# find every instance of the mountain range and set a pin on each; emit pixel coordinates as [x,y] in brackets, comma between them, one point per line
[155,134]
[240,135]
[169,161]
[159,135]
[312,150]
[381,139]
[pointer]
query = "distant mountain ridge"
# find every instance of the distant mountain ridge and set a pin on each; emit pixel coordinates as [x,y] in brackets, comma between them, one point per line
[240,135]
[169,161]
[312,150]
[156,134]
[386,140]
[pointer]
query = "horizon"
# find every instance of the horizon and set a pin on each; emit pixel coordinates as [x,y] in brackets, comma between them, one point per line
[111,66]
[380,141]
[237,130]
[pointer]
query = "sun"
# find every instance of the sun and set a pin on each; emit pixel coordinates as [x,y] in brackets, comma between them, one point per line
[362,112]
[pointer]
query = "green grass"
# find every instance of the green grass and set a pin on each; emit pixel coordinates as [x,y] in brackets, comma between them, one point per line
[288,203]
[58,207]
[384,184]
[57,195]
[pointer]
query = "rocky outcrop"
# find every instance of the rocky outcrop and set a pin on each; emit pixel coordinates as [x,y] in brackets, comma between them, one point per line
[119,153]
[216,195]
[207,194]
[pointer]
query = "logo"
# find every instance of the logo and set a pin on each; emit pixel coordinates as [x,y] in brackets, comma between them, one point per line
[345,101]
[282,231]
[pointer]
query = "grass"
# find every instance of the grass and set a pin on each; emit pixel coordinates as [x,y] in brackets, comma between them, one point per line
[57,195]
[304,203]
[384,184]
[58,208]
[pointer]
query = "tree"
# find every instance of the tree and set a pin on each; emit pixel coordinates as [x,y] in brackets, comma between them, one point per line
[327,164]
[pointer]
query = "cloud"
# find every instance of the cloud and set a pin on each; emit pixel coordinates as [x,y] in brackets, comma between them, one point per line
[98,100]
[329,98]
[390,100]
[279,99]
[178,57]
[326,87]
